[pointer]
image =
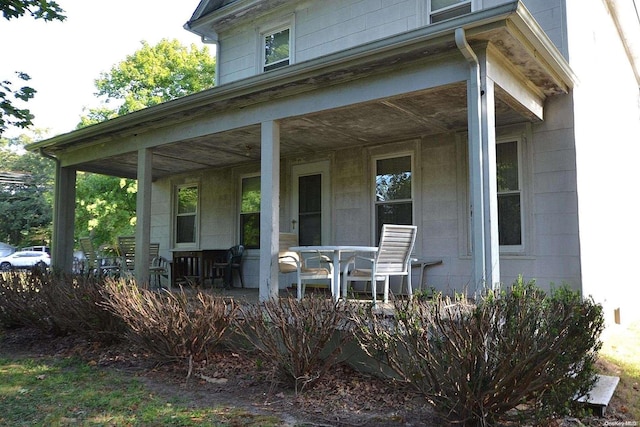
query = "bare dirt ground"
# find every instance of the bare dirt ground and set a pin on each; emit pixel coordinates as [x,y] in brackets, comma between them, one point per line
[342,398]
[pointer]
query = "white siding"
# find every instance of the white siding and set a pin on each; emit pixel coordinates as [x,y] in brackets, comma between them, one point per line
[321,28]
[607,139]
[328,26]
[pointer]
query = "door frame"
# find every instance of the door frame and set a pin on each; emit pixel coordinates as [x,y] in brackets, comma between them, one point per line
[321,168]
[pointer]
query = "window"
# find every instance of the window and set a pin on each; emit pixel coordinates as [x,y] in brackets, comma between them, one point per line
[276,48]
[441,10]
[509,194]
[394,195]
[250,213]
[186,214]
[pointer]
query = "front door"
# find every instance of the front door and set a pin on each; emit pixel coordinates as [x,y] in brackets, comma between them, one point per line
[310,203]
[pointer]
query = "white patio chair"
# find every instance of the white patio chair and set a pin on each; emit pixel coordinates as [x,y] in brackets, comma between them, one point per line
[392,259]
[289,262]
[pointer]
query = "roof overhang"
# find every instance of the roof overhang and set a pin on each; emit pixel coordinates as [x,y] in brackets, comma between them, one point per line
[185,127]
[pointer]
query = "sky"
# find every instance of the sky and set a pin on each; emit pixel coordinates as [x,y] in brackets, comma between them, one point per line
[65,58]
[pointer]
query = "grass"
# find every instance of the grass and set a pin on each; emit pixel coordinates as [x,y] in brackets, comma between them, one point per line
[61,392]
[621,356]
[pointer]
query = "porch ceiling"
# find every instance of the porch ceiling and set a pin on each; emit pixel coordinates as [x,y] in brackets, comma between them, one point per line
[431,112]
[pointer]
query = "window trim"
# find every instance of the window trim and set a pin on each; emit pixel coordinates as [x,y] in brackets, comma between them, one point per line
[521,135]
[273,28]
[374,173]
[174,234]
[516,249]
[431,12]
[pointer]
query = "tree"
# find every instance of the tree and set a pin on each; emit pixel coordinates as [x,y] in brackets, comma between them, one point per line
[39,9]
[152,75]
[9,113]
[106,205]
[26,194]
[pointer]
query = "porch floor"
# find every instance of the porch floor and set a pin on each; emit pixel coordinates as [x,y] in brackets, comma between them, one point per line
[251,295]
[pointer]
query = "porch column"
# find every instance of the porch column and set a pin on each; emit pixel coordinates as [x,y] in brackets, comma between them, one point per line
[269,209]
[143,216]
[490,197]
[64,207]
[475,122]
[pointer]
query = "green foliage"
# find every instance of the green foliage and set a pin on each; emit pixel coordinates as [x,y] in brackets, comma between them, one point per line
[25,202]
[11,115]
[105,207]
[38,9]
[519,349]
[96,115]
[152,75]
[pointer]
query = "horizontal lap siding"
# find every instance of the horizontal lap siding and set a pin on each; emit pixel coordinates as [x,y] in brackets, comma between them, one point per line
[321,28]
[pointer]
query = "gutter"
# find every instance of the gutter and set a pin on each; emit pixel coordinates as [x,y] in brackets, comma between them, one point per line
[474,108]
[49,156]
[208,39]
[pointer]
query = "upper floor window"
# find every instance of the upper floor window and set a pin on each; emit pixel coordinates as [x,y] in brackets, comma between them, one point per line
[250,212]
[509,195]
[441,10]
[186,224]
[276,48]
[394,194]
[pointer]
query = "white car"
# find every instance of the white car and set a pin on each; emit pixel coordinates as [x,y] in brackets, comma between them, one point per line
[25,259]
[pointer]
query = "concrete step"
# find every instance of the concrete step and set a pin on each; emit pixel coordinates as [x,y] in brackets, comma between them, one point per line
[599,397]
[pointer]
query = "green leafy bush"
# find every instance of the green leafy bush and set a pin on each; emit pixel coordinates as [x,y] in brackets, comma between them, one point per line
[520,348]
[304,338]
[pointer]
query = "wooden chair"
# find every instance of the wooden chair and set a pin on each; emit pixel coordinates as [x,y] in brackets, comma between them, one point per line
[289,262]
[392,259]
[127,252]
[95,263]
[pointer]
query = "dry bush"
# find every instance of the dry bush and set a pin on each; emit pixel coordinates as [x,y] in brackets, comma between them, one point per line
[173,326]
[304,338]
[58,304]
[520,349]
[21,300]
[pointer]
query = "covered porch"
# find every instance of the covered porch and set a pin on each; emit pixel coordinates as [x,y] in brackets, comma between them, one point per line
[442,93]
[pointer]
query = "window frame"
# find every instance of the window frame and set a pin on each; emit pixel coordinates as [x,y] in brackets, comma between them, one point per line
[196,214]
[515,249]
[271,29]
[241,179]
[374,173]
[431,12]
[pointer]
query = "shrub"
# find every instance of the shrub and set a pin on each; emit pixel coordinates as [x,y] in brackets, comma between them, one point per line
[304,338]
[173,326]
[475,363]
[58,304]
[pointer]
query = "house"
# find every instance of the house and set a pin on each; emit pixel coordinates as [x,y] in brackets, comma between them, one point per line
[508,132]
